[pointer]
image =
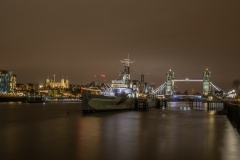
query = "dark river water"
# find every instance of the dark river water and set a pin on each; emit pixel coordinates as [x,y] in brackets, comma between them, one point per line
[46,131]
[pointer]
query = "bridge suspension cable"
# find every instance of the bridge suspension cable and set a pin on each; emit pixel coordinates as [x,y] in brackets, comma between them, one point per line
[160,89]
[217,88]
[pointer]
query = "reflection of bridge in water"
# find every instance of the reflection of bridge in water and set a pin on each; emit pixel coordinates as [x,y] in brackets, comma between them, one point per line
[195,105]
[211,94]
[191,102]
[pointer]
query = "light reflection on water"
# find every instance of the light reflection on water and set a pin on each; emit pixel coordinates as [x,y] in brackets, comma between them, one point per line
[196,105]
[37,131]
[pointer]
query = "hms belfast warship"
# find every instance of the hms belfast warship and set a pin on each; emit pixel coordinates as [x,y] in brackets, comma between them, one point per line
[122,94]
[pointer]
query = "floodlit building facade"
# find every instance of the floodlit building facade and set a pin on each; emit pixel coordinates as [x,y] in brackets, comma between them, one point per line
[206,81]
[7,81]
[51,83]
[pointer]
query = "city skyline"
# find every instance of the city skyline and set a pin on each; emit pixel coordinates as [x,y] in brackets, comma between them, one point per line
[80,39]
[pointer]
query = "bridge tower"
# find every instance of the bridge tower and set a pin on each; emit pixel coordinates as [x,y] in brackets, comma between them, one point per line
[169,82]
[206,81]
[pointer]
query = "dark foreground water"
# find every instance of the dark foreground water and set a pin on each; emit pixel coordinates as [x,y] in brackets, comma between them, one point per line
[38,131]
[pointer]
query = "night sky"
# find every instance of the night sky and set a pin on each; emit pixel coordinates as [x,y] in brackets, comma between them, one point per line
[81,38]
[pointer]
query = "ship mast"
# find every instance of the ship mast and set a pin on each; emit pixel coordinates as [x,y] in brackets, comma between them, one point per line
[126,63]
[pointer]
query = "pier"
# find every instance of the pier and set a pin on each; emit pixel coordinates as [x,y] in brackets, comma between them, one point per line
[233,114]
[141,104]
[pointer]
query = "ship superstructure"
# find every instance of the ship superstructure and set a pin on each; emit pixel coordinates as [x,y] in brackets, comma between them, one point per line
[121,95]
[123,85]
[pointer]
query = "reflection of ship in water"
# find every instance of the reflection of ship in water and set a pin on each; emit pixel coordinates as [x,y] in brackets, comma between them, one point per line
[121,94]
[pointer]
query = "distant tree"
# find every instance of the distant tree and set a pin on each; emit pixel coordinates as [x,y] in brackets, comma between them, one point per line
[197,93]
[179,92]
[236,86]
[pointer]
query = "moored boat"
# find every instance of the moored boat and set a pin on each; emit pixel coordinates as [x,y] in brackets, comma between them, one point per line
[121,95]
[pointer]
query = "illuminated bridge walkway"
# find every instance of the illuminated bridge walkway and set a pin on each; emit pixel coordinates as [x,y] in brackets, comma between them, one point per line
[167,88]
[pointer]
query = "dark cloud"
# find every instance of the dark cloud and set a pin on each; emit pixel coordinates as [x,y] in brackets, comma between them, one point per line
[80,38]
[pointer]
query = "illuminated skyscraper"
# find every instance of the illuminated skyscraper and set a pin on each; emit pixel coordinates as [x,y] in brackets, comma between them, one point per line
[7,81]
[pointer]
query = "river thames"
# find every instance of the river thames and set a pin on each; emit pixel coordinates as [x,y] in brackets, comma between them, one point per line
[62,131]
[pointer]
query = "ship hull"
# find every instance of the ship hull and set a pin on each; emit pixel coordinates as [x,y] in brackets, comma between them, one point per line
[94,103]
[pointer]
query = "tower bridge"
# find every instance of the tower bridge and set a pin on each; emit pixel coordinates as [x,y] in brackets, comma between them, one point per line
[167,88]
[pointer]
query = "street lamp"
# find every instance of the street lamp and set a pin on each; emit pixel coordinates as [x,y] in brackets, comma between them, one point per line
[210,98]
[232,94]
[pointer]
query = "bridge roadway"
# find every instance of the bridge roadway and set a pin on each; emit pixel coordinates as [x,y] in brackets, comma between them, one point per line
[182,96]
[194,97]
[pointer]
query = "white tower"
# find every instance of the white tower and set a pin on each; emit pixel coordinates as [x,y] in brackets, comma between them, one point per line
[67,82]
[62,83]
[47,82]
